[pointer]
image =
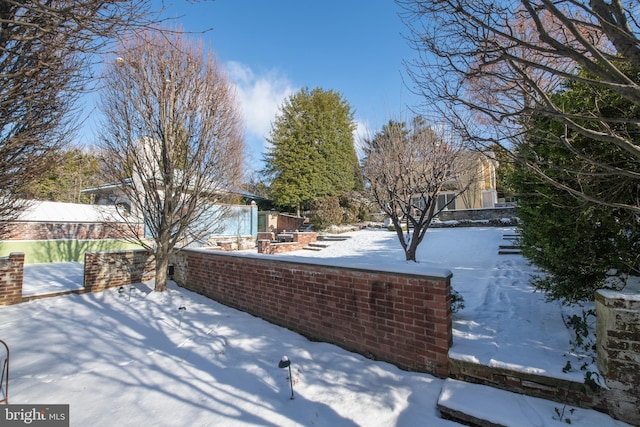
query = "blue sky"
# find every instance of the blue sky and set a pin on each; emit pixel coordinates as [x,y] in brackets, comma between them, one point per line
[271,49]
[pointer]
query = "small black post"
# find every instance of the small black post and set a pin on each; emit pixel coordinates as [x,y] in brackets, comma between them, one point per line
[181,310]
[286,363]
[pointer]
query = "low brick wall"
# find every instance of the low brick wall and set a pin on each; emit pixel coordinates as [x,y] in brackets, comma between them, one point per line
[404,319]
[63,230]
[11,273]
[289,223]
[117,268]
[299,240]
[618,346]
[102,270]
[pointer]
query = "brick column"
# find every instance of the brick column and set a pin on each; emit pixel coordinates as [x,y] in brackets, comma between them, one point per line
[11,276]
[618,345]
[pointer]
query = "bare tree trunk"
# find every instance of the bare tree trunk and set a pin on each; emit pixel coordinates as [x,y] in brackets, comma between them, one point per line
[410,252]
[162,266]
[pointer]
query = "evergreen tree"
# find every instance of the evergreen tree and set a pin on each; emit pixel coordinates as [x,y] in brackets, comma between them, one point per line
[72,170]
[581,245]
[312,154]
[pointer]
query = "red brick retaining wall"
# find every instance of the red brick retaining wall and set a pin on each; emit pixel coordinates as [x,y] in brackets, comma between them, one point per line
[289,223]
[11,273]
[102,270]
[62,230]
[404,319]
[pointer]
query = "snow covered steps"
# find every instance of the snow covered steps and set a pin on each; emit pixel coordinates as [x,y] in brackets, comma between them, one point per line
[315,246]
[509,250]
[333,238]
[480,405]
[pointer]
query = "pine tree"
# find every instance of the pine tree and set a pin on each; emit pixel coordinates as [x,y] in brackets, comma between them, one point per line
[312,154]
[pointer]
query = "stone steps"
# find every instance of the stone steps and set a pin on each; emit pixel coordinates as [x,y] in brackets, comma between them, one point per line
[332,238]
[318,245]
[484,406]
[510,249]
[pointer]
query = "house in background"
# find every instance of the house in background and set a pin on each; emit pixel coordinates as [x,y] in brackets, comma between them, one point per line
[471,185]
[476,172]
[236,227]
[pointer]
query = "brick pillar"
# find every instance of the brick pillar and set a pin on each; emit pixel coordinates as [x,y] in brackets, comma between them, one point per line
[11,275]
[264,246]
[618,345]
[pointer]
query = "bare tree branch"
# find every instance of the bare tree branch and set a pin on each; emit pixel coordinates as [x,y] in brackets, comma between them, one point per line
[47,49]
[406,170]
[488,67]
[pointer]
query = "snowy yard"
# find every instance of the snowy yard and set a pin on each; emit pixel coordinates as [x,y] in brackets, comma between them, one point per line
[129,359]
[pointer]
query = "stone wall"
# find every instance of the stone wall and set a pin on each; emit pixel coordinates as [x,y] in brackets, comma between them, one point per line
[404,319]
[232,243]
[544,387]
[618,346]
[118,268]
[487,214]
[11,273]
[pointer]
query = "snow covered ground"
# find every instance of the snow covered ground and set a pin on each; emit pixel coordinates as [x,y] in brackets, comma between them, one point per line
[130,359]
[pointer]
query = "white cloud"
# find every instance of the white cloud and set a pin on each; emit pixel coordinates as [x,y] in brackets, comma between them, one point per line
[260,95]
[361,133]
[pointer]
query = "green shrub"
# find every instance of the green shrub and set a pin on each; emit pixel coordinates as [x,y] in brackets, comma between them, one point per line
[325,212]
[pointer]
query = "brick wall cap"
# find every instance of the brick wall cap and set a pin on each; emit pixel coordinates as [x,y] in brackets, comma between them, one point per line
[405,268]
[630,293]
[117,251]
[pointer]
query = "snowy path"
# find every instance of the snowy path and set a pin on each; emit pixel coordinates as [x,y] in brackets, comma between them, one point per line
[515,328]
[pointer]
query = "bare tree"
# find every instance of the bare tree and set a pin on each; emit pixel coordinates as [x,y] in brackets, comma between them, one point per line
[489,67]
[46,51]
[406,170]
[173,137]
